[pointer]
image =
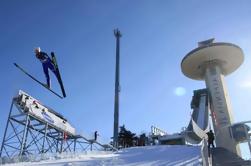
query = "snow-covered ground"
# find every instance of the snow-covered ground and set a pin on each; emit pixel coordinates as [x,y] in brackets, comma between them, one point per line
[136,156]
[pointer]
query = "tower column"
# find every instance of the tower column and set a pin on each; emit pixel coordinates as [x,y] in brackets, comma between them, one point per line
[221,108]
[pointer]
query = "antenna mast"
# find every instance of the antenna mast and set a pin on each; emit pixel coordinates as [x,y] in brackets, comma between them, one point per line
[117,89]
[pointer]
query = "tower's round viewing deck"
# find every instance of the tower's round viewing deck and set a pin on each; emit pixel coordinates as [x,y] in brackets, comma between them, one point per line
[227,55]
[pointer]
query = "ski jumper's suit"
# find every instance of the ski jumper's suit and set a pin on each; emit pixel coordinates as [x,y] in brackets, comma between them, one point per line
[47,64]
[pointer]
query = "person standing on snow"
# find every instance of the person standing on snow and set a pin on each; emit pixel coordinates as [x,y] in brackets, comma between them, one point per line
[210,140]
[95,135]
[47,64]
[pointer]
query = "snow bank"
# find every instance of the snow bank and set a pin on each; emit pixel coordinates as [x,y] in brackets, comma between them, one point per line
[136,156]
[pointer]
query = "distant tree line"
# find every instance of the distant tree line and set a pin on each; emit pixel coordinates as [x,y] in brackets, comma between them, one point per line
[127,138]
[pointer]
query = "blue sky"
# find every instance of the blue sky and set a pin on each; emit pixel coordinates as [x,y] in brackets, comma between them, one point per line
[156,36]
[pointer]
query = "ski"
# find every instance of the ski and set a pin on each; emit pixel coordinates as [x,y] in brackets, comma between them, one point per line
[20,68]
[54,60]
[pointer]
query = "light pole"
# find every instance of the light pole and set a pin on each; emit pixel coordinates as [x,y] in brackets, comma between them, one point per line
[117,89]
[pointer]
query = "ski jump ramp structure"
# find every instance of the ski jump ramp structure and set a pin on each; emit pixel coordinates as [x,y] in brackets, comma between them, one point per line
[199,123]
[33,128]
[198,126]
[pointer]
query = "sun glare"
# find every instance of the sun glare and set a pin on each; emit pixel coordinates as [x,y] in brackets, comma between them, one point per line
[179,91]
[245,84]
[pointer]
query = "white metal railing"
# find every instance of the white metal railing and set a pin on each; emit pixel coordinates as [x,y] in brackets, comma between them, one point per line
[246,130]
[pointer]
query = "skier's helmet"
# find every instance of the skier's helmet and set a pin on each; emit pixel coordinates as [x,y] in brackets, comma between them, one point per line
[37,50]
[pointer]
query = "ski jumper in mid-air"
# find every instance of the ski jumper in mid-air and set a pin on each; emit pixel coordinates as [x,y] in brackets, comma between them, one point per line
[47,64]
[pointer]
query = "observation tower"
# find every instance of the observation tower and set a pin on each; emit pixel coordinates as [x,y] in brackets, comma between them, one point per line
[211,62]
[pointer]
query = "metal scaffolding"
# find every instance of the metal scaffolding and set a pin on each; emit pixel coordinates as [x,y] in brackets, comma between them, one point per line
[26,134]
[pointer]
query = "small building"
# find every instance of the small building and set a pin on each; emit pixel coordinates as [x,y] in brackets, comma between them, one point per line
[174,139]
